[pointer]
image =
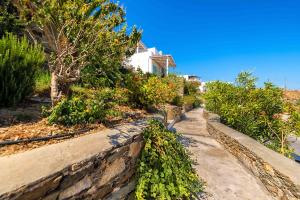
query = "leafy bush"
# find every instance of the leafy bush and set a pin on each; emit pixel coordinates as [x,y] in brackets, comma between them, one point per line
[42,81]
[192,100]
[145,90]
[121,96]
[298,102]
[256,112]
[165,169]
[81,110]
[19,62]
[191,87]
[178,101]
[157,91]
[133,82]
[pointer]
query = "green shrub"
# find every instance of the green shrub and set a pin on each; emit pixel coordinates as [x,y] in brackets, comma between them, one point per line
[165,169]
[121,96]
[256,112]
[42,81]
[298,102]
[192,100]
[178,101]
[191,87]
[19,62]
[81,110]
[157,91]
[133,82]
[146,90]
[78,90]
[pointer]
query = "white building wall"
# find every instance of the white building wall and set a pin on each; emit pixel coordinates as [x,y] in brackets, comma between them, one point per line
[143,60]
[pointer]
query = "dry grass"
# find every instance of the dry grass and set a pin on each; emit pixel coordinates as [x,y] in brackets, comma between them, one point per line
[292,95]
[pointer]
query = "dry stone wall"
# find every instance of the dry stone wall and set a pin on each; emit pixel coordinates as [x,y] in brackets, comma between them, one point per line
[96,166]
[280,175]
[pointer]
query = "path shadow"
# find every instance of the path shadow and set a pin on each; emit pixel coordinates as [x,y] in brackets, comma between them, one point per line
[191,142]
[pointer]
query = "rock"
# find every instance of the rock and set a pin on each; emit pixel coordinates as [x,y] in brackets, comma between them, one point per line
[77,188]
[135,149]
[112,170]
[52,196]
[76,174]
[119,152]
[120,193]
[41,189]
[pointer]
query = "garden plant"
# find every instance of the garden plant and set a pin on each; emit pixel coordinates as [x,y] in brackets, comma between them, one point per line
[260,113]
[165,168]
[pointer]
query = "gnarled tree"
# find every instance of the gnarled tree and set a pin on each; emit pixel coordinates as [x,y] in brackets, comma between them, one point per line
[78,32]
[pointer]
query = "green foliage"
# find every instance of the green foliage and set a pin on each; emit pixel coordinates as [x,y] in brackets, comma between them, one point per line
[191,87]
[178,101]
[134,81]
[19,62]
[298,102]
[145,90]
[42,81]
[96,29]
[9,20]
[165,169]
[246,80]
[121,96]
[192,100]
[295,122]
[88,41]
[158,91]
[82,110]
[256,112]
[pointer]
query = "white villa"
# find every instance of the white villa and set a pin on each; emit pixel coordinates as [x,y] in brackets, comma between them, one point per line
[202,87]
[191,78]
[150,60]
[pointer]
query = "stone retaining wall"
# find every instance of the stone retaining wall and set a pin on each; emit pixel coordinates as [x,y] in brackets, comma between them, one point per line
[97,166]
[280,175]
[173,112]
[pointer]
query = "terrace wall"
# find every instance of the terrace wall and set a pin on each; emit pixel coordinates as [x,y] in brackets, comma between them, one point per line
[96,166]
[279,174]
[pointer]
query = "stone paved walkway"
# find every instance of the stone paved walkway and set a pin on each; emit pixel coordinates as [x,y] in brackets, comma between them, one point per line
[226,178]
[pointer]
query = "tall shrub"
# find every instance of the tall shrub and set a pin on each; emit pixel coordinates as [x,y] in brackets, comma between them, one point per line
[157,91]
[18,63]
[257,112]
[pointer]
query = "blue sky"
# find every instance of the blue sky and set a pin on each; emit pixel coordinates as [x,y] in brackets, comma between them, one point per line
[216,39]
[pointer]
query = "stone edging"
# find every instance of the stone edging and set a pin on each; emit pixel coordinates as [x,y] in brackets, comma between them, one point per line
[280,175]
[101,165]
[96,166]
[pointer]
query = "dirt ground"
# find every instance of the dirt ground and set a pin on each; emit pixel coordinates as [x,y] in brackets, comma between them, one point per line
[26,122]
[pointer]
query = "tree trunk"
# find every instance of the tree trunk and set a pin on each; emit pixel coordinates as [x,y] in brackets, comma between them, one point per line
[55,95]
[59,89]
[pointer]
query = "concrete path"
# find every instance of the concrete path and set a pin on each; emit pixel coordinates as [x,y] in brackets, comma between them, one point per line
[226,178]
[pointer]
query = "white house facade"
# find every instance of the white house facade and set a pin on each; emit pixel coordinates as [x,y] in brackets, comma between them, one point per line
[150,60]
[191,78]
